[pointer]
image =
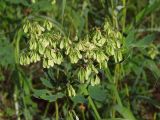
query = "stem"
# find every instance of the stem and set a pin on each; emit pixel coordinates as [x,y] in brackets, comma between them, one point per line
[16,104]
[155,116]
[94,108]
[112,6]
[15,42]
[124,15]
[63,8]
[127,94]
[83,116]
[116,79]
[46,110]
[116,97]
[56,106]
[114,16]
[152,20]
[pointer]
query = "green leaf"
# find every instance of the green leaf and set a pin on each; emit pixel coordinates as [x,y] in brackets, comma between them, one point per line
[149,100]
[97,93]
[27,114]
[78,99]
[125,112]
[83,89]
[46,95]
[115,119]
[39,93]
[9,111]
[42,6]
[6,53]
[130,39]
[63,8]
[46,82]
[151,65]
[23,2]
[147,10]
[145,41]
[52,98]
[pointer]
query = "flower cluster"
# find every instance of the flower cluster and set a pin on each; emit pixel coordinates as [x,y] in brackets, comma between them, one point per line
[52,48]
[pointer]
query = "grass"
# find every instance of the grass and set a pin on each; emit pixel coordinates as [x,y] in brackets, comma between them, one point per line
[79,60]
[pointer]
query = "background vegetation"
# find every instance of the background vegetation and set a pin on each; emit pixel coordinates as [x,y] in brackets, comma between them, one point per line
[118,80]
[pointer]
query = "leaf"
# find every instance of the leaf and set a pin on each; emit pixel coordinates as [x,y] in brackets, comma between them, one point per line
[78,99]
[27,114]
[125,112]
[115,119]
[42,6]
[151,65]
[149,100]
[23,2]
[145,41]
[60,95]
[52,98]
[97,93]
[9,111]
[46,95]
[46,82]
[83,89]
[39,93]
[147,10]
[6,53]
[63,8]
[130,39]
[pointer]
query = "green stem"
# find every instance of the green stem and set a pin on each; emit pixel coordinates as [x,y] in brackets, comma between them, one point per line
[16,55]
[83,116]
[114,16]
[124,16]
[116,97]
[116,79]
[46,110]
[56,107]
[63,8]
[94,108]
[112,6]
[16,45]
[16,103]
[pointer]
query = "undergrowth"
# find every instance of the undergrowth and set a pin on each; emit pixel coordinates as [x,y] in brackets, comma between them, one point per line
[79,60]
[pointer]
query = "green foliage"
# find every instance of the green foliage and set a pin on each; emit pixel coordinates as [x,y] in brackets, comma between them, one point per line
[125,112]
[97,93]
[79,59]
[50,47]
[6,53]
[46,95]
